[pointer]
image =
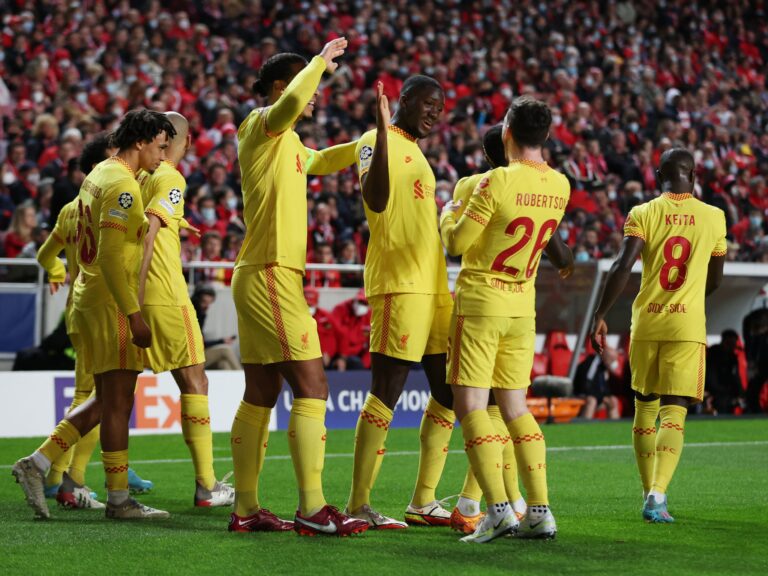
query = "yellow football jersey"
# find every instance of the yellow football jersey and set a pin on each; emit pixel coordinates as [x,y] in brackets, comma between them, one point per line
[508,221]
[681,233]
[274,195]
[404,251]
[162,193]
[109,198]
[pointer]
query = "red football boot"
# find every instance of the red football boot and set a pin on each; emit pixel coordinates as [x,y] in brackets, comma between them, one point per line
[328,522]
[261,521]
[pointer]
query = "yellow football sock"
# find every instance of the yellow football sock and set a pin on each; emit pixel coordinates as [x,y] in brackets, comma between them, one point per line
[370,436]
[531,455]
[434,435]
[509,462]
[471,489]
[196,427]
[250,433]
[60,465]
[483,447]
[81,455]
[644,439]
[59,442]
[669,446]
[116,469]
[306,438]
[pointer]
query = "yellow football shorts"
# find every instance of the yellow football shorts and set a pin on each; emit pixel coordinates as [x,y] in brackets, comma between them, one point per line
[410,326]
[84,383]
[273,318]
[491,352]
[177,341]
[668,368]
[106,340]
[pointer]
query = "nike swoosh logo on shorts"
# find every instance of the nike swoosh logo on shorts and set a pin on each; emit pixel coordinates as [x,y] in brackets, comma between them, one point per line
[329,528]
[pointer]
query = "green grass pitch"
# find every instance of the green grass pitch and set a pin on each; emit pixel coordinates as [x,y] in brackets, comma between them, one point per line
[719,497]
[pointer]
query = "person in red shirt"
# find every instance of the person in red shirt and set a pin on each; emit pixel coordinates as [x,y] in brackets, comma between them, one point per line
[353,318]
[327,329]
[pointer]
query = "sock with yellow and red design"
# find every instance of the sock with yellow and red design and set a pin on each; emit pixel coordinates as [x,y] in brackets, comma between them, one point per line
[306,439]
[669,446]
[250,433]
[196,427]
[64,436]
[116,475]
[531,455]
[434,435]
[509,463]
[644,439]
[370,436]
[483,447]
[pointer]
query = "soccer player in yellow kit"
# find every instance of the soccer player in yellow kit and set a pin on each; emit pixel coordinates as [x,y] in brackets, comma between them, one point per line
[682,244]
[467,514]
[278,336]
[177,342]
[106,313]
[511,218]
[407,287]
[66,479]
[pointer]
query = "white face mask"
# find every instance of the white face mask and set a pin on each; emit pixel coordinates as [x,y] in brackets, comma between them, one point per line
[232,203]
[34,179]
[360,309]
[312,310]
[208,214]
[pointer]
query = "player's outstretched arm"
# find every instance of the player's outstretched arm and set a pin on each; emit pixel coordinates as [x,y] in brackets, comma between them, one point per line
[560,255]
[283,113]
[330,160]
[149,249]
[614,286]
[714,273]
[375,182]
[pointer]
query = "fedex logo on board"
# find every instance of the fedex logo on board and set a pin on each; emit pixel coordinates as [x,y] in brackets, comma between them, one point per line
[151,408]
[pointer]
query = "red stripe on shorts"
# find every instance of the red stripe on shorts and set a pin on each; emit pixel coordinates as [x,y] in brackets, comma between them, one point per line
[190,335]
[385,324]
[122,339]
[276,313]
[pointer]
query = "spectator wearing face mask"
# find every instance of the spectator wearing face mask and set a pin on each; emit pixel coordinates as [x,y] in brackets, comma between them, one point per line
[353,318]
[327,329]
[207,218]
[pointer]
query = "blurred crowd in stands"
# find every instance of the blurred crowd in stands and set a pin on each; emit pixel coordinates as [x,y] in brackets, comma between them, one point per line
[625,81]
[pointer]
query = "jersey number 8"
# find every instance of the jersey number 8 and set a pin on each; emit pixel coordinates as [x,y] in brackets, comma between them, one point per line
[672,262]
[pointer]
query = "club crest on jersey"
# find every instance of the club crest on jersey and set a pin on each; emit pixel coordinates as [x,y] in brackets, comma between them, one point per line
[125,200]
[175,195]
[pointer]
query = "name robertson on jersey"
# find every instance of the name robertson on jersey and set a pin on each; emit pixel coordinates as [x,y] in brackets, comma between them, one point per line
[541,201]
[91,188]
[679,220]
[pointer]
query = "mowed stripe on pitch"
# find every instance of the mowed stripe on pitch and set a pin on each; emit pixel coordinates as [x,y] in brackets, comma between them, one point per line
[416,452]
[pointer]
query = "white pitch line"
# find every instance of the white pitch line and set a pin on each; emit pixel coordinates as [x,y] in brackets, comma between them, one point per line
[416,453]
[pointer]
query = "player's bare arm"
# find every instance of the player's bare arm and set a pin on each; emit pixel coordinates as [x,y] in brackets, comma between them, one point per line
[560,255]
[149,249]
[376,181]
[614,286]
[714,273]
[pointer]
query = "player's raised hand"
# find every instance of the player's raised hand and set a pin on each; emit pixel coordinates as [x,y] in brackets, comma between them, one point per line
[331,51]
[383,114]
[451,206]
[141,334]
[598,334]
